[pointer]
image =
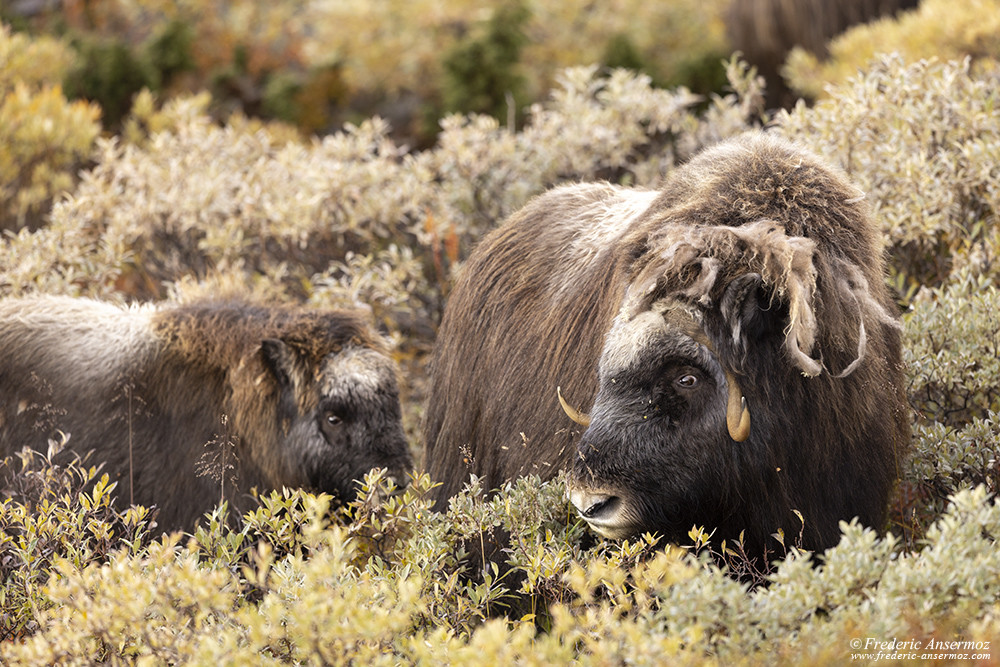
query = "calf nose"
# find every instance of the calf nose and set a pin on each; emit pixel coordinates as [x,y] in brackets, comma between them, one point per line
[592,505]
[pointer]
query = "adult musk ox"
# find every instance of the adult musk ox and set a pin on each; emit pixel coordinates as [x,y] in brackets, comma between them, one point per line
[730,335]
[302,398]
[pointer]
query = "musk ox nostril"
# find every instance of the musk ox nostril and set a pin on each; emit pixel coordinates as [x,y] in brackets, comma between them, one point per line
[593,505]
[600,506]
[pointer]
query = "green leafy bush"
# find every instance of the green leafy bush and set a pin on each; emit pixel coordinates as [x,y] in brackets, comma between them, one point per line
[480,72]
[110,74]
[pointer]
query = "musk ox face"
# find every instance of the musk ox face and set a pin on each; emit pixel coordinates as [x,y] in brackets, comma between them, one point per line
[659,393]
[669,414]
[657,425]
[340,419]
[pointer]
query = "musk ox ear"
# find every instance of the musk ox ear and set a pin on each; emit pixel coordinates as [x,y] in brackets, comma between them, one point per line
[747,308]
[279,359]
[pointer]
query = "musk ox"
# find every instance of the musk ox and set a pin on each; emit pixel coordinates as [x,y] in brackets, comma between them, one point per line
[301,398]
[765,31]
[730,336]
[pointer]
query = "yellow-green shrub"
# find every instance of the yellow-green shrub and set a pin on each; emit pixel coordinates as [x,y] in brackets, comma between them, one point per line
[35,62]
[54,509]
[44,139]
[373,587]
[923,141]
[935,29]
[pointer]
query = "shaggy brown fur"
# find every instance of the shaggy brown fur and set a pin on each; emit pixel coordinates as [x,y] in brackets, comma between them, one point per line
[291,397]
[771,255]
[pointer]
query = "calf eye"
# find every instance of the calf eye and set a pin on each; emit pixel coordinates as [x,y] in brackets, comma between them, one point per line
[687,381]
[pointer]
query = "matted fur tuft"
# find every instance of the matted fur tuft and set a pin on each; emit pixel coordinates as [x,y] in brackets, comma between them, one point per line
[697,262]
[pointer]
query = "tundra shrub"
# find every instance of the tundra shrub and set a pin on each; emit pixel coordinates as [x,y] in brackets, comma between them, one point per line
[944,461]
[54,511]
[197,199]
[923,141]
[935,29]
[44,139]
[377,590]
[952,351]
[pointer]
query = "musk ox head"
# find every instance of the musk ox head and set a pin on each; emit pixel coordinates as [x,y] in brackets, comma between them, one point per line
[312,395]
[339,417]
[667,412]
[752,371]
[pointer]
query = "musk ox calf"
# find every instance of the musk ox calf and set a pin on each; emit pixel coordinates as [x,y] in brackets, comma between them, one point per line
[291,397]
[730,336]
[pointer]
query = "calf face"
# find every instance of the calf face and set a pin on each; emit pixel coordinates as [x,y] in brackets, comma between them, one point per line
[337,419]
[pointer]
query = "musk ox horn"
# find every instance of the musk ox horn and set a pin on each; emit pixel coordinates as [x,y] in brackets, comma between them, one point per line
[737,413]
[579,417]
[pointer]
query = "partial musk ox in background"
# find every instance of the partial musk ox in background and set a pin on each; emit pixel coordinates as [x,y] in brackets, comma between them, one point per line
[765,31]
[730,335]
[305,398]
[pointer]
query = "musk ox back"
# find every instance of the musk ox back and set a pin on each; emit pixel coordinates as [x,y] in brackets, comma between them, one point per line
[730,335]
[291,397]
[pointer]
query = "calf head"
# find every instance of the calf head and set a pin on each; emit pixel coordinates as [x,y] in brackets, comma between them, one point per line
[338,416]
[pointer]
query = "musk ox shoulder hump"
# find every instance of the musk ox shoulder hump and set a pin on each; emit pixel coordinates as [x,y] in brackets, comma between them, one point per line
[572,226]
[226,330]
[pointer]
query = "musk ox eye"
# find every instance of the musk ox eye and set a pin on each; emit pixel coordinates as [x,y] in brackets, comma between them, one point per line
[333,425]
[687,381]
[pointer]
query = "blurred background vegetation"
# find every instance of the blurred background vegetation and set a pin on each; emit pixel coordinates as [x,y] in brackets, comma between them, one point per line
[351,153]
[316,66]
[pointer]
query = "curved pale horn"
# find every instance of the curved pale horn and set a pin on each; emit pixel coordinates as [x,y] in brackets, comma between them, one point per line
[737,413]
[579,417]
